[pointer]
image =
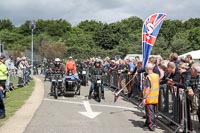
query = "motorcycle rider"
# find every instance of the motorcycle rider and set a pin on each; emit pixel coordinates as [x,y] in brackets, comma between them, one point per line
[48,69]
[81,67]
[57,67]
[96,70]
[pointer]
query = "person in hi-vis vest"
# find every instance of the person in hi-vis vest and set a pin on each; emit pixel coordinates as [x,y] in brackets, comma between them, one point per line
[3,78]
[150,97]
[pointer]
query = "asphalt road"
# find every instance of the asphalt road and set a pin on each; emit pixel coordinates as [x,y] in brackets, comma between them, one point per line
[63,115]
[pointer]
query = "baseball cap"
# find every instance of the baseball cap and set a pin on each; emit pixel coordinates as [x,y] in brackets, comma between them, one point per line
[2,56]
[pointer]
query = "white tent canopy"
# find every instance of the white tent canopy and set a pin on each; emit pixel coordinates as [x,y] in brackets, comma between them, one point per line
[195,55]
[133,56]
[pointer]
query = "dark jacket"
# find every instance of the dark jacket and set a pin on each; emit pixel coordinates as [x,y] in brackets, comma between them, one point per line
[165,78]
[95,71]
[156,70]
[184,81]
[175,76]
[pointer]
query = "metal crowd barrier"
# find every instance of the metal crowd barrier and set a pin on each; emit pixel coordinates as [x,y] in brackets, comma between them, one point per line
[23,76]
[174,104]
[10,80]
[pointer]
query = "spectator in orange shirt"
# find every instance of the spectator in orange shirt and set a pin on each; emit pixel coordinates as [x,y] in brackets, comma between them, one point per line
[70,65]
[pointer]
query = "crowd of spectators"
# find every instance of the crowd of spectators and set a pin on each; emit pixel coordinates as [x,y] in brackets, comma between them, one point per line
[10,68]
[182,75]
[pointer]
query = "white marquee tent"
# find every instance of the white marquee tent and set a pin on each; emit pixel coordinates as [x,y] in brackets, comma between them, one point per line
[195,55]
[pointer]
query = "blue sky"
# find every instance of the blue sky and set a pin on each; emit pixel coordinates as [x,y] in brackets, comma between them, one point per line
[107,11]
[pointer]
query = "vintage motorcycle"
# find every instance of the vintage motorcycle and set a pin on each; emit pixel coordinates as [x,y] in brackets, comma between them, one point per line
[97,88]
[35,70]
[71,84]
[48,75]
[83,76]
[57,84]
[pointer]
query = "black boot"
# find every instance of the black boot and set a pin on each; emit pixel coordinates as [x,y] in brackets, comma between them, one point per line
[103,95]
[90,95]
[51,91]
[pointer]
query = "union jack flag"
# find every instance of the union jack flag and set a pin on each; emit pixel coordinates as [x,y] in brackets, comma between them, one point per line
[150,32]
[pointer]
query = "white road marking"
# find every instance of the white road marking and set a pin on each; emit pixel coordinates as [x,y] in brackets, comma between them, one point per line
[98,105]
[62,101]
[89,113]
[75,97]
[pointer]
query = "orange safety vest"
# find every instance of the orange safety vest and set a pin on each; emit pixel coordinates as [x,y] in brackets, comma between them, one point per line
[71,65]
[152,97]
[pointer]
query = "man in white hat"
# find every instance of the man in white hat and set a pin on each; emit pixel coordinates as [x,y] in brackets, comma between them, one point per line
[70,65]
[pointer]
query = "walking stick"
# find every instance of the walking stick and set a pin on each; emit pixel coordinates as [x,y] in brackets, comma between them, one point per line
[116,95]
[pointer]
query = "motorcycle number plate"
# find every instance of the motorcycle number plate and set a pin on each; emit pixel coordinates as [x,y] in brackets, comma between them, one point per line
[60,80]
[99,81]
[69,81]
[83,72]
[53,80]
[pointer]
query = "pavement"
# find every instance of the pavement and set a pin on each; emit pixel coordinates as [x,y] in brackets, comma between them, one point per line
[18,122]
[75,114]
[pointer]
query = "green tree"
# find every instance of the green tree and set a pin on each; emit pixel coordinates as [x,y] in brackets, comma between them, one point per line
[58,28]
[6,24]
[90,26]
[192,23]
[9,38]
[161,48]
[24,29]
[194,38]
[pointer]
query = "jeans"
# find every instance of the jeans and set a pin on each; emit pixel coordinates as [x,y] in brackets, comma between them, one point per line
[77,78]
[92,87]
[8,81]
[27,76]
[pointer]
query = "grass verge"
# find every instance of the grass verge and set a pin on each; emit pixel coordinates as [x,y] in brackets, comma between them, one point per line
[16,98]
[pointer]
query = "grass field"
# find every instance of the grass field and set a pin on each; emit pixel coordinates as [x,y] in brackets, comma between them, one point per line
[16,98]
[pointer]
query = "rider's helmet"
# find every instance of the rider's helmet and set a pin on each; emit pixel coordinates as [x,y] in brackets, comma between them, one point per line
[97,62]
[57,60]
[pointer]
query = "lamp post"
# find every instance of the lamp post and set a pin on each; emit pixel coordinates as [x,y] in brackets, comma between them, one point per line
[32,26]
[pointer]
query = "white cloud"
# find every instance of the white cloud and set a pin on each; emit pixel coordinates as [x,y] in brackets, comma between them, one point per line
[108,11]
